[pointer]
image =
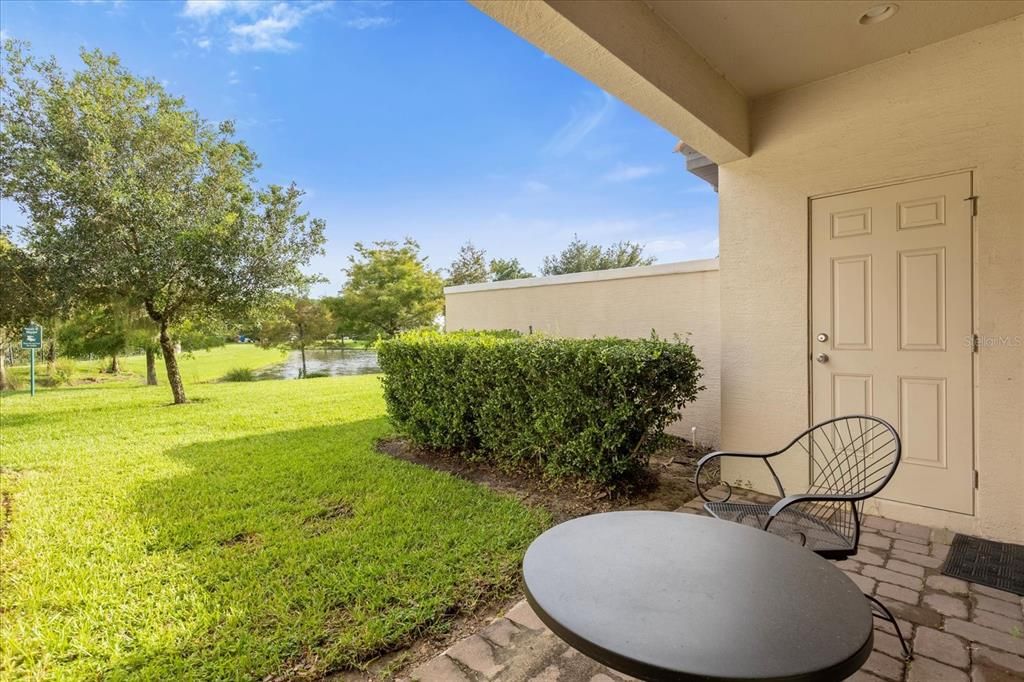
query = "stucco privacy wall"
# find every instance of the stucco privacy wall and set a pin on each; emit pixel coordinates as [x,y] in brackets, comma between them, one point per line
[954,105]
[674,298]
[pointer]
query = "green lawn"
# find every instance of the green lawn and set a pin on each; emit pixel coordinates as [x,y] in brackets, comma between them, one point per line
[198,366]
[254,531]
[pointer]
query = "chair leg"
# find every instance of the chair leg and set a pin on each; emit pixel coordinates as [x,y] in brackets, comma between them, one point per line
[881,611]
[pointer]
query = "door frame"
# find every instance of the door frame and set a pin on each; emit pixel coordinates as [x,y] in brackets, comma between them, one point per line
[808,334]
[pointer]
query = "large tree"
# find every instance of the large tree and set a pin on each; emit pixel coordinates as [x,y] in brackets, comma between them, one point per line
[134,197]
[469,266]
[390,289]
[296,322]
[508,268]
[579,256]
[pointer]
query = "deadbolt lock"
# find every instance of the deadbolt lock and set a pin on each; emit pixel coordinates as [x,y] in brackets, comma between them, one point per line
[823,337]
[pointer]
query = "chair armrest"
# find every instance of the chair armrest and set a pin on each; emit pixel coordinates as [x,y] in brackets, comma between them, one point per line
[715,455]
[779,506]
[724,453]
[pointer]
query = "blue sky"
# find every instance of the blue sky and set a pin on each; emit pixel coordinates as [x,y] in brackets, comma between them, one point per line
[404,118]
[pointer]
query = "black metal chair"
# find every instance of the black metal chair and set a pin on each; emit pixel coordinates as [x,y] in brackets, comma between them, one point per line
[851,459]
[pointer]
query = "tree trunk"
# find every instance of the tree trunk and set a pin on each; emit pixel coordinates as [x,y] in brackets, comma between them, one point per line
[51,357]
[171,362]
[3,367]
[150,367]
[302,352]
[114,366]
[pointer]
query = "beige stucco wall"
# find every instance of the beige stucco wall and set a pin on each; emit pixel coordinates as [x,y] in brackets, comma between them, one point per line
[674,298]
[955,105]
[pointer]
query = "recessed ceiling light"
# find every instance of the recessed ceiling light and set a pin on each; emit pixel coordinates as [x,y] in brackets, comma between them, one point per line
[879,13]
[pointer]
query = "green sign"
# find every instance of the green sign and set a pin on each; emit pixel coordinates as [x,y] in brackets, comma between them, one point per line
[32,336]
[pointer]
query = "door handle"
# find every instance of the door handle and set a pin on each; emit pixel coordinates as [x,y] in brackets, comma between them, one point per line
[822,358]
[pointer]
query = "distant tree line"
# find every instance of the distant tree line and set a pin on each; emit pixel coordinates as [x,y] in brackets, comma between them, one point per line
[472,267]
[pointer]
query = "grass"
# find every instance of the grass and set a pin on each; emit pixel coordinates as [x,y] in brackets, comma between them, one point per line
[198,366]
[253,532]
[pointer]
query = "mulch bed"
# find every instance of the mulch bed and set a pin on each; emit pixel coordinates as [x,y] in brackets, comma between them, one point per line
[666,485]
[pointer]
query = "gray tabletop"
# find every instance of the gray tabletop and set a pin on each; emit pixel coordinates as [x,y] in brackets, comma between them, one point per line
[669,596]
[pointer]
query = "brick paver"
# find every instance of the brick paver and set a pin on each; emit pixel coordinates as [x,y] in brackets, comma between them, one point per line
[946,584]
[947,605]
[999,606]
[960,632]
[942,647]
[476,653]
[926,670]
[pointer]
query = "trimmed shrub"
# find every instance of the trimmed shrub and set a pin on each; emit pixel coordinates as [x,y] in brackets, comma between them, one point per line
[587,408]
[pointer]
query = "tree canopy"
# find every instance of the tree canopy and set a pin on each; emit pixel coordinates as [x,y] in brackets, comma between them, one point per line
[469,266]
[133,197]
[107,330]
[508,268]
[295,322]
[25,296]
[390,289]
[25,292]
[579,256]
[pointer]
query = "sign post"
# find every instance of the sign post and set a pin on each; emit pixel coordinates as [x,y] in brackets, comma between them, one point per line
[32,338]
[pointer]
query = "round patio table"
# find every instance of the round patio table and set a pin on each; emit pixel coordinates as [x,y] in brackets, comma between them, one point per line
[672,596]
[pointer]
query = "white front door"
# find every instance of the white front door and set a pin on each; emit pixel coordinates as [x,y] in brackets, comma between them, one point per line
[891,327]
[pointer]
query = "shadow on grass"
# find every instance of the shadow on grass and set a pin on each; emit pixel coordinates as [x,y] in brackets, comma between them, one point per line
[307,551]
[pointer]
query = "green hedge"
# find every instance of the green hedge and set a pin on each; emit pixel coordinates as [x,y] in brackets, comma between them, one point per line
[587,408]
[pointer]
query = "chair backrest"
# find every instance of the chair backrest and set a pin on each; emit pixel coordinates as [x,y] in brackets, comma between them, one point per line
[853,456]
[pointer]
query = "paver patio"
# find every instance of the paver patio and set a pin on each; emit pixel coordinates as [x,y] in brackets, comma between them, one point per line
[960,631]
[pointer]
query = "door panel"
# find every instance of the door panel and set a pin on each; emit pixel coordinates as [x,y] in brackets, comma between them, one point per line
[922,314]
[891,290]
[923,420]
[851,394]
[851,293]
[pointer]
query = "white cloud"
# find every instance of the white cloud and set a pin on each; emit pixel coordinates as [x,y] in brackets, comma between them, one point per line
[581,123]
[674,249]
[204,9]
[270,32]
[4,35]
[363,23]
[535,187]
[233,77]
[252,25]
[627,173]
[661,246]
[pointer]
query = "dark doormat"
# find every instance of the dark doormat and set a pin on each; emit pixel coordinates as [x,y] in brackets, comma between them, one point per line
[995,564]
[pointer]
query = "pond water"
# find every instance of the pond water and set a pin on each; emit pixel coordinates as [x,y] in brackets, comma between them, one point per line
[331,362]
